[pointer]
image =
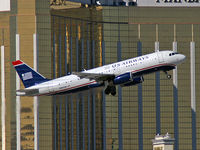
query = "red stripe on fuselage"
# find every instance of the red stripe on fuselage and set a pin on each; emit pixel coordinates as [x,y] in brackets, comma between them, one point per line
[18,62]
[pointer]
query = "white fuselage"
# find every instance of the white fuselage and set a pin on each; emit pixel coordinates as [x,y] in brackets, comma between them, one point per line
[138,66]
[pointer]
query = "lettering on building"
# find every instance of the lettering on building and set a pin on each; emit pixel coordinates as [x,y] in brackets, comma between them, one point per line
[178,1]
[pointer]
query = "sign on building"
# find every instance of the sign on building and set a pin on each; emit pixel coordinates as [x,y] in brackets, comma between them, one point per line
[4,5]
[169,3]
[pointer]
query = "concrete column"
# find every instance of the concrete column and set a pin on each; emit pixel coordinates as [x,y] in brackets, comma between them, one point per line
[54,97]
[60,49]
[83,122]
[88,121]
[93,120]
[88,97]
[81,96]
[120,127]
[66,97]
[71,49]
[66,123]
[175,100]
[140,105]
[60,121]
[93,94]
[193,93]
[3,100]
[156,43]
[60,74]
[140,98]
[157,46]
[36,124]
[175,81]
[77,123]
[157,79]
[18,103]
[103,97]
[77,50]
[78,96]
[72,124]
[66,47]
[35,106]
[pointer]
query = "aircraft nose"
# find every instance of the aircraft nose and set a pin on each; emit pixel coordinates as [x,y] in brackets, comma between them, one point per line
[182,57]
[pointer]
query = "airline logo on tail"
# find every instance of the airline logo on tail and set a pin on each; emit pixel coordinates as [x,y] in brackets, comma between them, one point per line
[27,76]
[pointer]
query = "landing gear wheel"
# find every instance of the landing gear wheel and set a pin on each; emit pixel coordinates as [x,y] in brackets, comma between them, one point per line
[110,90]
[113,91]
[169,76]
[107,90]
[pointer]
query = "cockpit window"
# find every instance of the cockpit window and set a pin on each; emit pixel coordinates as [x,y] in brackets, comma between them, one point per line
[171,54]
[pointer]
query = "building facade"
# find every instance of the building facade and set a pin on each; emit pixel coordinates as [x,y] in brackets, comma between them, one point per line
[72,37]
[159,105]
[18,23]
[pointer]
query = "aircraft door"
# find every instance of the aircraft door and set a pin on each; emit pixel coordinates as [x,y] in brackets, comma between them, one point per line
[52,86]
[160,57]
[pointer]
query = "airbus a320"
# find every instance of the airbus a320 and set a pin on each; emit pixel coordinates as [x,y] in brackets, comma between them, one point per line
[124,73]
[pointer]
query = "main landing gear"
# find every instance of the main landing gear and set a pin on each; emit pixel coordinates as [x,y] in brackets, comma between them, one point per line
[168,75]
[110,89]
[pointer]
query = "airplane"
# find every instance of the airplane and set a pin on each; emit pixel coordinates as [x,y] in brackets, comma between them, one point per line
[124,73]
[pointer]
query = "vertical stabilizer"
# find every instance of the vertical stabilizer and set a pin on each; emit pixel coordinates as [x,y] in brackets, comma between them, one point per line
[28,76]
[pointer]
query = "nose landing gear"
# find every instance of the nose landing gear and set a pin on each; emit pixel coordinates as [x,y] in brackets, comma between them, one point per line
[168,75]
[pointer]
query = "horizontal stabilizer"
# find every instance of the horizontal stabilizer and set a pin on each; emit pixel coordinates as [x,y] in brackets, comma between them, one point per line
[27,92]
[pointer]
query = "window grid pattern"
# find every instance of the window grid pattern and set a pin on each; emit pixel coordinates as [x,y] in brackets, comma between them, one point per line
[125,31]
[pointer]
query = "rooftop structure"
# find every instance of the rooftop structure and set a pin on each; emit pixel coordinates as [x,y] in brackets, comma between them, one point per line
[163,142]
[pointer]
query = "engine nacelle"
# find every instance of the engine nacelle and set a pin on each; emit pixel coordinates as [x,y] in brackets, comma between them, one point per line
[135,81]
[127,80]
[123,78]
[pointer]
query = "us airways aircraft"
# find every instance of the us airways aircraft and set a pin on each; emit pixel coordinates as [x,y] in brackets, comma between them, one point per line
[125,73]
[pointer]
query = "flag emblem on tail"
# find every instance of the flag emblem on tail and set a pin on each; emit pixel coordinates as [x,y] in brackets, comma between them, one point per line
[27,75]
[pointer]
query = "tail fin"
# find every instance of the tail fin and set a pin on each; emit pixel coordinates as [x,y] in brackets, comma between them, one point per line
[28,76]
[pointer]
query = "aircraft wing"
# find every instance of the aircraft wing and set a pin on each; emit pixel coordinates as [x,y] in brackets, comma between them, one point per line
[94,76]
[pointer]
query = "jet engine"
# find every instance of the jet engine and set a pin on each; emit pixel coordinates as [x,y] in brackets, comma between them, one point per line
[123,78]
[127,79]
[135,81]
